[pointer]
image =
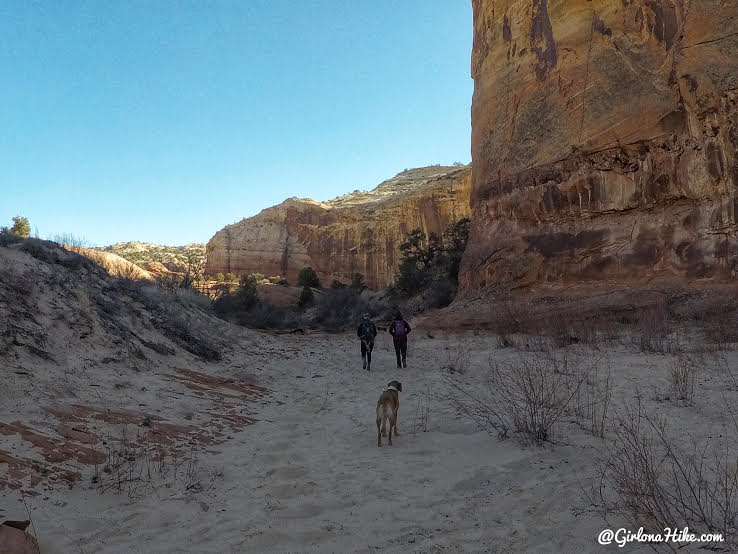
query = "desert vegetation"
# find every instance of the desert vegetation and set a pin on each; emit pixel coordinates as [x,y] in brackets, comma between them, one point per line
[21,227]
[333,309]
[189,256]
[638,397]
[180,312]
[652,467]
[429,267]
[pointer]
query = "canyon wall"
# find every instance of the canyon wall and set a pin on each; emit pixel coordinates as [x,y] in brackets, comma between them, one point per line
[604,139]
[356,233]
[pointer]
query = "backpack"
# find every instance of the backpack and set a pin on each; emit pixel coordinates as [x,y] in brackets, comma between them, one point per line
[399,328]
[366,329]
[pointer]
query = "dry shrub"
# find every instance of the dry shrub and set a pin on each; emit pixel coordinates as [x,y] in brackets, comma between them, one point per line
[170,282]
[527,397]
[656,480]
[422,411]
[721,325]
[71,242]
[594,397]
[682,377]
[137,467]
[264,315]
[651,331]
[457,358]
[546,324]
[510,318]
[341,309]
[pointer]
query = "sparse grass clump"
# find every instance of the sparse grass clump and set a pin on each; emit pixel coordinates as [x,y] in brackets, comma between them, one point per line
[682,377]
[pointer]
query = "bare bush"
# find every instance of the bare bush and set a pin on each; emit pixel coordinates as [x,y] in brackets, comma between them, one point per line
[528,397]
[594,397]
[439,293]
[544,325]
[721,325]
[651,330]
[457,358]
[682,377]
[422,412]
[657,480]
[170,282]
[340,309]
[71,242]
[266,316]
[136,467]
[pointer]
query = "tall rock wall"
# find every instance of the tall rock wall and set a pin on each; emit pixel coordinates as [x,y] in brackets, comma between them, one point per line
[604,140]
[356,233]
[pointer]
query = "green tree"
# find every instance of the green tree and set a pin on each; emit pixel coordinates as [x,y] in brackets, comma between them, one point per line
[308,278]
[455,239]
[21,227]
[427,259]
[246,296]
[419,253]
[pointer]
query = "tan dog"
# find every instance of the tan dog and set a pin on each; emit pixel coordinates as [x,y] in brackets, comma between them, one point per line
[387,407]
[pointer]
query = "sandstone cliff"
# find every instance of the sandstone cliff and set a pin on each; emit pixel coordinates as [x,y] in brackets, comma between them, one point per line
[356,233]
[604,139]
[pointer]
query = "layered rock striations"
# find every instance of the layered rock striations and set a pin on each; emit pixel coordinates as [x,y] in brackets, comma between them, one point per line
[356,233]
[604,139]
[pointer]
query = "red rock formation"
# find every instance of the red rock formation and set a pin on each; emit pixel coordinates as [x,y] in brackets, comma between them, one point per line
[604,140]
[356,233]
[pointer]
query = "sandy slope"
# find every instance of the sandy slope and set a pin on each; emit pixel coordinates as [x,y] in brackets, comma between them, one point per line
[308,476]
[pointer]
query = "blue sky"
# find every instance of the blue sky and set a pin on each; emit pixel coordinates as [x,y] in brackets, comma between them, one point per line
[164,121]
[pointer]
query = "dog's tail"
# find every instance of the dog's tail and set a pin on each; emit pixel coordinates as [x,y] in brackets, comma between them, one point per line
[382,414]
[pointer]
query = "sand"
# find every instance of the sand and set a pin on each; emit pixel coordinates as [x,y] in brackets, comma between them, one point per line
[308,476]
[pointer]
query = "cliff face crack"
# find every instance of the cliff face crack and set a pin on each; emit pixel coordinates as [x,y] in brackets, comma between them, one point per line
[711,41]
[586,76]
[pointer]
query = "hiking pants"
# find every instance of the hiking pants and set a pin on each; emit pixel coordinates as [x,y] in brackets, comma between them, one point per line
[400,349]
[367,346]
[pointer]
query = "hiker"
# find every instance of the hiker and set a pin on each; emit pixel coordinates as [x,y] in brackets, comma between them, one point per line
[366,332]
[399,330]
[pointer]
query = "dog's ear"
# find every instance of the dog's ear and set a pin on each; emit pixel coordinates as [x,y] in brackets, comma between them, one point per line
[399,386]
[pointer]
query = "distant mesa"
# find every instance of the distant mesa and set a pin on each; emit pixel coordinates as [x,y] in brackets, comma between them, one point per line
[359,232]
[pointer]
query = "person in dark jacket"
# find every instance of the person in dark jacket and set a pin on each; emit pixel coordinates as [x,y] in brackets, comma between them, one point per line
[399,329]
[367,332]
